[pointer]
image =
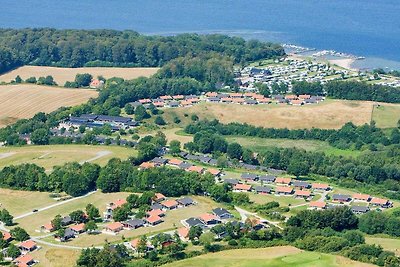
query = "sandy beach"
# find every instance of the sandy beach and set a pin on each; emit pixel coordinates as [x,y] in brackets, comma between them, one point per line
[344,63]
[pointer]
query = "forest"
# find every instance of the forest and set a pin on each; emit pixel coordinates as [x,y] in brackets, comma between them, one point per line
[78,48]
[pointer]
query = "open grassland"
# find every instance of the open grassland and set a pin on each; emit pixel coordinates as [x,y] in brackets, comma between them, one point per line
[386,115]
[52,155]
[274,256]
[18,202]
[25,100]
[283,200]
[33,222]
[330,114]
[390,244]
[62,75]
[56,257]
[260,144]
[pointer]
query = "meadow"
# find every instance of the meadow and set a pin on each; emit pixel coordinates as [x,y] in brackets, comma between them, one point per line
[62,75]
[386,115]
[25,100]
[52,155]
[274,256]
[390,244]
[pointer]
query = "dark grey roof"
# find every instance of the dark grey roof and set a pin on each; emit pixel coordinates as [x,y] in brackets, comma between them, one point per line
[214,99]
[231,181]
[341,197]
[185,201]
[263,189]
[241,224]
[185,165]
[221,212]
[267,178]
[183,154]
[156,206]
[301,184]
[136,104]
[361,209]
[134,223]
[69,233]
[249,166]
[249,176]
[88,116]
[194,222]
[278,97]
[310,101]
[192,157]
[173,103]
[66,220]
[204,159]
[213,162]
[250,102]
[159,160]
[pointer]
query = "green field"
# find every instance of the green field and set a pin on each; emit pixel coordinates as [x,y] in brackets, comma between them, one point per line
[390,244]
[259,144]
[386,115]
[52,155]
[274,256]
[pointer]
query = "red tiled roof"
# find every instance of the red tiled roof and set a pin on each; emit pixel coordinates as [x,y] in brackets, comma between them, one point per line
[178,97]
[183,232]
[196,169]
[283,189]
[303,193]
[144,101]
[159,104]
[153,219]
[211,94]
[158,196]
[319,186]
[78,227]
[24,259]
[246,187]
[361,196]
[379,201]
[186,103]
[147,165]
[28,244]
[226,99]
[118,203]
[290,97]
[296,102]
[166,97]
[169,203]
[317,204]
[6,235]
[115,226]
[282,180]
[175,161]
[208,217]
[305,96]
[214,171]
[156,212]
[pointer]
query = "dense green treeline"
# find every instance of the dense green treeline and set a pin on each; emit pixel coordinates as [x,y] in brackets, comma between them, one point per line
[77,48]
[349,136]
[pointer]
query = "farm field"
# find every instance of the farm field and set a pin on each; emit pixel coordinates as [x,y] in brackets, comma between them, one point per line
[390,244]
[25,100]
[18,202]
[52,155]
[55,257]
[62,75]
[274,256]
[330,114]
[386,115]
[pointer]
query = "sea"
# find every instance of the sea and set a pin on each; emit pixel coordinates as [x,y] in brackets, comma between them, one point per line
[363,28]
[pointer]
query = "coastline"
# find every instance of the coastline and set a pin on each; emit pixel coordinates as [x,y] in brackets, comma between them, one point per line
[345,63]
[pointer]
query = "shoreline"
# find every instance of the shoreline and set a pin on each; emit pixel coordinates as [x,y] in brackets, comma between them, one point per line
[345,63]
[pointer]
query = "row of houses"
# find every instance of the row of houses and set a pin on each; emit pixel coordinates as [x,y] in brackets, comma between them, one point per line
[94,121]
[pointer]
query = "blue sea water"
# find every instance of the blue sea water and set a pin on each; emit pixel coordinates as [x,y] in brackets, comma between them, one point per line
[367,28]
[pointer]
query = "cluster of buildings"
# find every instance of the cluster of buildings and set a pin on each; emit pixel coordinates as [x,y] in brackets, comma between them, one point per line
[156,214]
[71,229]
[94,121]
[25,247]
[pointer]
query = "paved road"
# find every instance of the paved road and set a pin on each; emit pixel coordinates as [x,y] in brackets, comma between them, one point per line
[53,205]
[244,214]
[99,155]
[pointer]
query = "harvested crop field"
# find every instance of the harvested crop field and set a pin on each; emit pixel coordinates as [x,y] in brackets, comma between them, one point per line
[25,100]
[61,75]
[330,114]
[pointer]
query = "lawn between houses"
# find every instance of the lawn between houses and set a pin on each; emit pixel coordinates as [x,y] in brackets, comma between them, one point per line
[274,256]
[51,155]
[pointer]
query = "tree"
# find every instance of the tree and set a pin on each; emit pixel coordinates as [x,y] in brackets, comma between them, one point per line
[90,226]
[13,252]
[141,113]
[83,80]
[18,79]
[121,213]
[175,147]
[195,232]
[194,117]
[159,120]
[6,217]
[40,137]
[372,222]
[133,200]
[222,161]
[392,226]
[19,234]
[31,80]
[78,216]
[207,238]
[354,237]
[234,151]
[87,257]
[92,212]
[298,167]
[57,222]
[129,109]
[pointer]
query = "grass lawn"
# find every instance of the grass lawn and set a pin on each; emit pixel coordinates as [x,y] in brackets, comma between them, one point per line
[100,200]
[390,244]
[52,155]
[274,256]
[283,200]
[56,257]
[19,202]
[259,144]
[386,115]
[172,221]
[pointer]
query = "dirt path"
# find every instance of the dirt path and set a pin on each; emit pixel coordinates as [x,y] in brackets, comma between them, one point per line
[99,155]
